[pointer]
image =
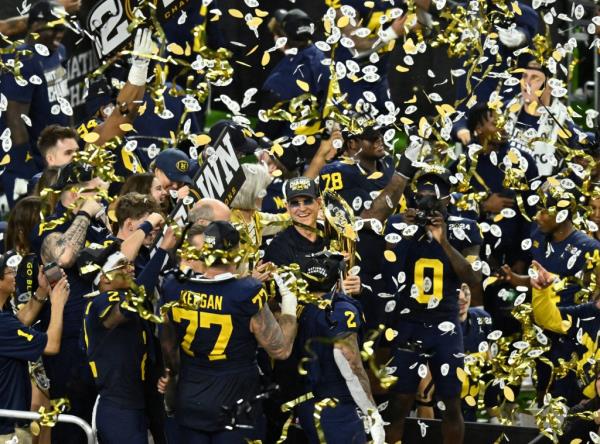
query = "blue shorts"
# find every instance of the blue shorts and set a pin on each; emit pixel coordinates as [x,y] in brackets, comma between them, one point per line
[117,425]
[418,343]
[341,424]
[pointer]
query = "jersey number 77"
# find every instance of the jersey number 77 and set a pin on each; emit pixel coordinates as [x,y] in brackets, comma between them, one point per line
[201,319]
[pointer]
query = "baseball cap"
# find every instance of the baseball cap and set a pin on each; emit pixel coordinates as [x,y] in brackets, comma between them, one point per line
[96,259]
[300,186]
[45,12]
[9,259]
[429,180]
[322,270]
[296,23]
[175,164]
[72,174]
[287,157]
[241,142]
[221,235]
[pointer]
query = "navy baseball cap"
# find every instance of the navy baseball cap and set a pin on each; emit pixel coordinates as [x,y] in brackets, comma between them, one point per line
[300,186]
[72,174]
[241,142]
[221,235]
[46,12]
[175,164]
[296,24]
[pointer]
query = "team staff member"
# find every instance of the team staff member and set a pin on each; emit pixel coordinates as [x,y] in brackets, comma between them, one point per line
[119,345]
[216,366]
[434,263]
[19,343]
[334,368]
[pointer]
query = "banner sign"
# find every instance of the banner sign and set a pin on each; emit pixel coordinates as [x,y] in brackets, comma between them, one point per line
[106,21]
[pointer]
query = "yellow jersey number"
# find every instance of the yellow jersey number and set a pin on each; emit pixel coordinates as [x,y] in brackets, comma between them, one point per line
[203,319]
[436,289]
[333,181]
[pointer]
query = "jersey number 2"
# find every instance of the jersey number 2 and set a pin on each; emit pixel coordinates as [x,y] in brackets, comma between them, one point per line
[204,320]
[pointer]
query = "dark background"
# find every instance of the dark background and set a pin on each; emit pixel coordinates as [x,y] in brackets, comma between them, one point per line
[403,85]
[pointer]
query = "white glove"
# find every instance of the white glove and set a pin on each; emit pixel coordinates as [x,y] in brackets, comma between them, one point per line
[289,302]
[511,37]
[376,429]
[142,46]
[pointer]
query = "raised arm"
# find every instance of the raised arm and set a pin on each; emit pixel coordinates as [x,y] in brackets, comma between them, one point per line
[130,96]
[63,248]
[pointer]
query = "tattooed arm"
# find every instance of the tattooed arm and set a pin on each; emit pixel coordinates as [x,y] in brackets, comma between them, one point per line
[276,337]
[63,248]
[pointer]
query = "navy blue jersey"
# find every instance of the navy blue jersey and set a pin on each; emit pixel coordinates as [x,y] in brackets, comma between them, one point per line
[355,185]
[46,78]
[18,345]
[475,329]
[489,177]
[369,16]
[317,330]
[422,277]
[274,200]
[215,336]
[565,258]
[117,356]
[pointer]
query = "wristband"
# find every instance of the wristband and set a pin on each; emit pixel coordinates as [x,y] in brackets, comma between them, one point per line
[146,227]
[388,34]
[35,298]
[84,214]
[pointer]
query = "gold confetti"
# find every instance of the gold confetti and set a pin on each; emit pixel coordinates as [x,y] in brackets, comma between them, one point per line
[401,68]
[235,13]
[265,59]
[375,175]
[303,85]
[252,51]
[202,139]
[509,394]
[91,137]
[261,13]
[175,49]
[343,21]
[389,256]
[126,127]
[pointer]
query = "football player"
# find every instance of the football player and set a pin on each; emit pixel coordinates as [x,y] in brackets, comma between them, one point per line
[211,339]
[425,268]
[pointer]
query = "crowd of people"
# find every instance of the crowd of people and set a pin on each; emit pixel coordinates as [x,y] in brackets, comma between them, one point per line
[371,266]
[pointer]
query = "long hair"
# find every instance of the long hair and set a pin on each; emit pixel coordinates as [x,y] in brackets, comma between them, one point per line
[254,187]
[22,220]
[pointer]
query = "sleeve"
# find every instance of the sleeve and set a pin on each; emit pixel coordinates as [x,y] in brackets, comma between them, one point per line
[148,278]
[16,92]
[527,21]
[345,318]
[545,312]
[169,291]
[255,297]
[20,342]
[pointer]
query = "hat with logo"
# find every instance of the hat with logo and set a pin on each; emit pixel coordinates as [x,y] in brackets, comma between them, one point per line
[72,174]
[239,136]
[296,24]
[46,12]
[175,164]
[300,186]
[221,235]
